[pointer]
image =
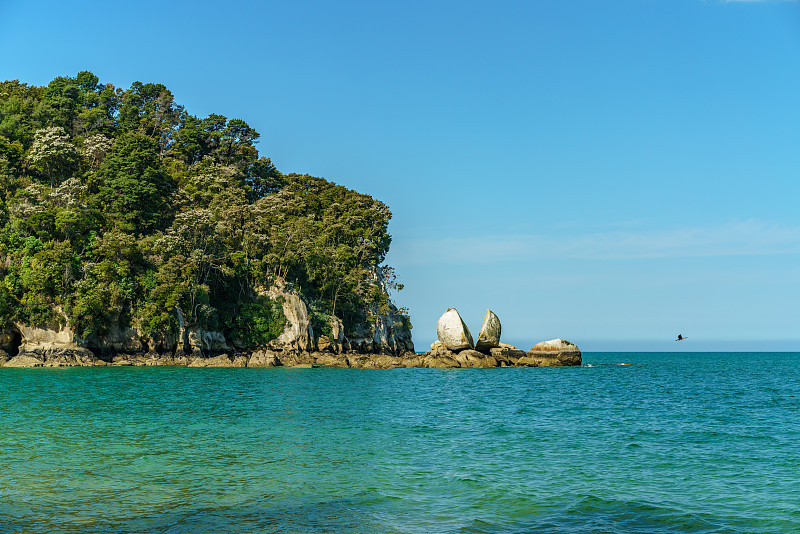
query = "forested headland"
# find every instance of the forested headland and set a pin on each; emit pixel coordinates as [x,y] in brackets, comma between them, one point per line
[119,208]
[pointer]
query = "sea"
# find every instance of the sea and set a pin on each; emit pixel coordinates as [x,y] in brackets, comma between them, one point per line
[626,443]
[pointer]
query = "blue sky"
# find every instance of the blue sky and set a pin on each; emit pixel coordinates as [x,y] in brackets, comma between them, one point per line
[613,173]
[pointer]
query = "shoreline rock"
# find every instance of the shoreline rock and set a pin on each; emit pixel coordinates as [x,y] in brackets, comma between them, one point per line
[489,335]
[441,358]
[553,353]
[297,347]
[453,332]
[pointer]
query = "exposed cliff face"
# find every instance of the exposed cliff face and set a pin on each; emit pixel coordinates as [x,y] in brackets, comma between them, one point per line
[298,334]
[189,340]
[38,337]
[116,340]
[58,345]
[42,346]
[386,332]
[196,341]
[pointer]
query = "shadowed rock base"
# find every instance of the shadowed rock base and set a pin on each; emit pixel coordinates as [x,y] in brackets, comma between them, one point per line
[55,357]
[439,357]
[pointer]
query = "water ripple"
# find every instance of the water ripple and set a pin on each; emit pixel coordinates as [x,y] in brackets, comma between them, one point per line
[628,443]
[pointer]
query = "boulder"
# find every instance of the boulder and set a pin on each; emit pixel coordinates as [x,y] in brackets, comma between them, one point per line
[437,346]
[506,356]
[439,362]
[296,359]
[375,361]
[392,327]
[326,359]
[452,332]
[489,335]
[264,358]
[125,360]
[387,333]
[473,359]
[411,359]
[54,356]
[553,353]
[222,360]
[71,357]
[4,357]
[324,344]
[206,340]
[25,359]
[438,349]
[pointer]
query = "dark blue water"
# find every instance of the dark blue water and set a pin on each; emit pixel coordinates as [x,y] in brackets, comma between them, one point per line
[670,443]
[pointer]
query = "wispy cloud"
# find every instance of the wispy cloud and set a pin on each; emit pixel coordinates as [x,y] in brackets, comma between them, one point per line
[741,238]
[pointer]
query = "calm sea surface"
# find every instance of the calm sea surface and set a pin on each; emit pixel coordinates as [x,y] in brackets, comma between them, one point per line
[670,443]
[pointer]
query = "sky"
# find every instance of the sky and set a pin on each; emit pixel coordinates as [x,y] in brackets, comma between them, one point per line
[612,173]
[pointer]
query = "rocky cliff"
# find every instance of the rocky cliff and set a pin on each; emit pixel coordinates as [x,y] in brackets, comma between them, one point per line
[386,334]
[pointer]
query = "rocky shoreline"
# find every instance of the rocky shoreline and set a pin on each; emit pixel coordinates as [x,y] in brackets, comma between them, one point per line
[455,345]
[453,349]
[77,357]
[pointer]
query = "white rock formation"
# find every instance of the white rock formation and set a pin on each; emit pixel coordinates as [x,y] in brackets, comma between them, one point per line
[34,337]
[298,333]
[452,332]
[489,336]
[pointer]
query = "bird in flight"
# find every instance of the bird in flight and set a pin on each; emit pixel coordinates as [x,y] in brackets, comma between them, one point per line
[680,338]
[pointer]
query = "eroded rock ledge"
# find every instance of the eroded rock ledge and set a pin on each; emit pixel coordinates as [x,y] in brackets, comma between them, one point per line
[56,357]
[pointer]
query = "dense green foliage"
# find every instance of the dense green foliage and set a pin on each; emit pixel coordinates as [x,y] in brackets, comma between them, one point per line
[118,206]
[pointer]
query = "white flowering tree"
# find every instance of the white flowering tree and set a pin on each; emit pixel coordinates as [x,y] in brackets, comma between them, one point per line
[95,149]
[52,153]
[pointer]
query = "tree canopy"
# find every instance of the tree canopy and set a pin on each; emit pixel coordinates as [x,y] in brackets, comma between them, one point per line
[118,206]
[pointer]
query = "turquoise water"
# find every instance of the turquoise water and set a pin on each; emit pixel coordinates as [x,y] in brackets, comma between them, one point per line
[672,443]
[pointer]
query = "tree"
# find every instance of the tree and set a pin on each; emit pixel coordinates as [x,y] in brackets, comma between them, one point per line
[108,288]
[263,179]
[163,211]
[237,142]
[60,103]
[95,149]
[150,109]
[53,154]
[132,186]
